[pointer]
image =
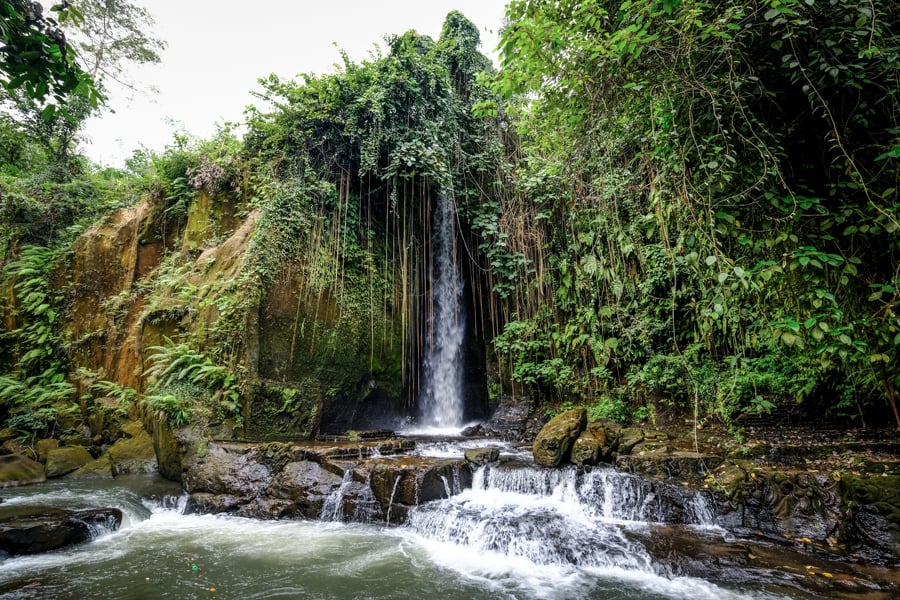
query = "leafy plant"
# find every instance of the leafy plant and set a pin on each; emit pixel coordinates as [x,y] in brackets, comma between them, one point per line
[174,365]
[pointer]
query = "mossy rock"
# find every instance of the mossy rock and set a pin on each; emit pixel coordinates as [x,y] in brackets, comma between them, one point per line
[554,442]
[282,411]
[586,449]
[630,437]
[42,447]
[16,470]
[134,455]
[880,492]
[102,468]
[61,461]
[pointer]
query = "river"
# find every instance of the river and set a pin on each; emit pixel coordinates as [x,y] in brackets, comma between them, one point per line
[519,532]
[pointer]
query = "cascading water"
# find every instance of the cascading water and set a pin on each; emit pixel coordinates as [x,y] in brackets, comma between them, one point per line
[441,399]
[556,517]
[520,532]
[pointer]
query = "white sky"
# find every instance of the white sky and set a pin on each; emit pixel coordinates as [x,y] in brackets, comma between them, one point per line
[217,50]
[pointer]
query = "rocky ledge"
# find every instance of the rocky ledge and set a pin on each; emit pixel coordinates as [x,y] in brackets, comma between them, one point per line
[835,495]
[360,481]
[32,530]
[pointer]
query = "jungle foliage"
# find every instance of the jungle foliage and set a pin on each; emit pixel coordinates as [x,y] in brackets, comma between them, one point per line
[718,186]
[384,134]
[666,208]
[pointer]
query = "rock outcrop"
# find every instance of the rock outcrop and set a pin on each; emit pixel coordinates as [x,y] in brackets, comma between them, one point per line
[31,530]
[347,481]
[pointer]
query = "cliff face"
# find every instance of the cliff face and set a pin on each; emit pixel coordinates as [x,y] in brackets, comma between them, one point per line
[307,360]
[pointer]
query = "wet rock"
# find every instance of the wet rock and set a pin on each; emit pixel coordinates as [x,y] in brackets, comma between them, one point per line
[629,438]
[585,450]
[482,456]
[227,469]
[782,569]
[554,442]
[728,478]
[16,470]
[306,485]
[206,503]
[102,468]
[61,461]
[658,461]
[510,417]
[134,454]
[473,431]
[32,530]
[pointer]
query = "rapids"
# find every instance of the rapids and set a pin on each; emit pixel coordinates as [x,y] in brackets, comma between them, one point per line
[519,532]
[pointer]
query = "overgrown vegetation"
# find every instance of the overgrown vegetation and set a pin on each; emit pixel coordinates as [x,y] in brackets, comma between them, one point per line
[717,185]
[666,209]
[182,380]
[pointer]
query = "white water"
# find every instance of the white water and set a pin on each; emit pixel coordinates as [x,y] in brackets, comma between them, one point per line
[441,399]
[521,532]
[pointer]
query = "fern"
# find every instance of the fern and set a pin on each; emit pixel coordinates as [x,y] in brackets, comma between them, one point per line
[175,366]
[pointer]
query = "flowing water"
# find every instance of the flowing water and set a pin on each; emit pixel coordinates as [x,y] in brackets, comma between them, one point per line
[519,532]
[441,399]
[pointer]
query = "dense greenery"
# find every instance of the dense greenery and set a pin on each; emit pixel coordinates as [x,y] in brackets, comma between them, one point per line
[666,209]
[36,59]
[719,186]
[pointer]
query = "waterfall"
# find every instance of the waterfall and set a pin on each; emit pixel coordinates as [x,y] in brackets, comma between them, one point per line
[441,400]
[559,516]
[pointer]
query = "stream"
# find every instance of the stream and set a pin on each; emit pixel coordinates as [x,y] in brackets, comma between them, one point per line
[518,532]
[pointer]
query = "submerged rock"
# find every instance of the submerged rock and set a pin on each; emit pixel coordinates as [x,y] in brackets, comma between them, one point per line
[554,443]
[31,530]
[16,470]
[482,456]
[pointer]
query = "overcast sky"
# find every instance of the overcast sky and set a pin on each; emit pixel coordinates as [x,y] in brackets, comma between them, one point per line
[217,51]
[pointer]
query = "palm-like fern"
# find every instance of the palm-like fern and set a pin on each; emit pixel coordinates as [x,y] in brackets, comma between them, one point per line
[174,364]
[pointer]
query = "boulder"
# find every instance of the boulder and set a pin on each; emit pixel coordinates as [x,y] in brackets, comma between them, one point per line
[31,530]
[306,485]
[42,447]
[224,468]
[482,456]
[585,450]
[133,454]
[16,470]
[102,468]
[554,442]
[61,461]
[476,430]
